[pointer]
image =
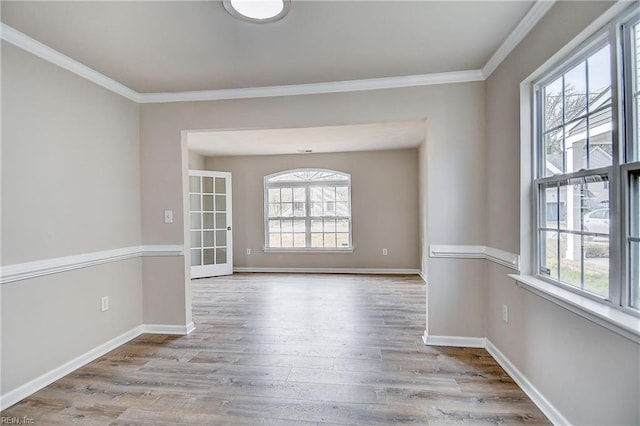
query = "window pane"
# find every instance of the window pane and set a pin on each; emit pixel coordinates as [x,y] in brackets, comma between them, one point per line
[575,146]
[287,240]
[330,208]
[316,209]
[299,195]
[342,225]
[316,193]
[221,220]
[551,211]
[342,193]
[208,238]
[553,106]
[316,226]
[330,240]
[316,240]
[196,257]
[221,203]
[549,254]
[207,220]
[329,193]
[634,264]
[274,240]
[207,186]
[221,185]
[287,195]
[342,208]
[298,226]
[571,259]
[274,195]
[554,157]
[596,265]
[274,226]
[287,209]
[287,226]
[195,221]
[299,240]
[194,183]
[207,257]
[207,203]
[221,238]
[221,256]
[575,92]
[600,139]
[329,225]
[342,240]
[299,210]
[600,78]
[274,210]
[196,239]
[195,203]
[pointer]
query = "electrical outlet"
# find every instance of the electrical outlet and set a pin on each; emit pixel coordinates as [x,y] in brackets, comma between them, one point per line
[385,252]
[104,304]
[248,252]
[505,313]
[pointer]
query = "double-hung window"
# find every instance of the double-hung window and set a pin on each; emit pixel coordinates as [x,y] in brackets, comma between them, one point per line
[308,209]
[587,173]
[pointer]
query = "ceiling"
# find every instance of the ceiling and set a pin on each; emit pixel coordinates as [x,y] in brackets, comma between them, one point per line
[167,47]
[175,46]
[362,137]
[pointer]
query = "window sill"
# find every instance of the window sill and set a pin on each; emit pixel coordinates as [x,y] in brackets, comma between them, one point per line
[618,321]
[308,250]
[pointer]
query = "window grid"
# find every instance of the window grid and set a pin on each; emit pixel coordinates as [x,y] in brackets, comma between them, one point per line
[587,197]
[308,209]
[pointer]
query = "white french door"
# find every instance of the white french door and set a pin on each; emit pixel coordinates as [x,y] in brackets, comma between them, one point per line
[210,226]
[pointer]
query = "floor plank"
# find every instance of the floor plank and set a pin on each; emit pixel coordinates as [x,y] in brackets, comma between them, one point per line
[290,349]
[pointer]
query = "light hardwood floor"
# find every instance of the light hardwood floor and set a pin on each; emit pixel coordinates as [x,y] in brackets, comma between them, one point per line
[291,350]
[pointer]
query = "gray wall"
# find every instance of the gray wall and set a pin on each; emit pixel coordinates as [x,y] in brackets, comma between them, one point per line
[384,208]
[70,185]
[455,179]
[590,374]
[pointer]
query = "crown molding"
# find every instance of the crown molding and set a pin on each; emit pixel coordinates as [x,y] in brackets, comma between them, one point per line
[537,11]
[316,88]
[24,42]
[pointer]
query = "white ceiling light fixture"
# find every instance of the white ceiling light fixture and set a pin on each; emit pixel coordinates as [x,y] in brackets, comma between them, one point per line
[257,11]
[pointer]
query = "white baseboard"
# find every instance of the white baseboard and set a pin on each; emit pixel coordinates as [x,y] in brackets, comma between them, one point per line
[532,392]
[459,342]
[46,379]
[527,387]
[383,271]
[168,329]
[57,373]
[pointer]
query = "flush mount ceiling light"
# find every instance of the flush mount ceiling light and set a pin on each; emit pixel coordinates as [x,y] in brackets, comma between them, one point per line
[260,11]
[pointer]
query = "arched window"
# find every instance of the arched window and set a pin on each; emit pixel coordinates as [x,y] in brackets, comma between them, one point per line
[308,209]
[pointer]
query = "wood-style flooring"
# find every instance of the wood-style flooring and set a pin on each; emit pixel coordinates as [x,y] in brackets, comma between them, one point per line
[289,350]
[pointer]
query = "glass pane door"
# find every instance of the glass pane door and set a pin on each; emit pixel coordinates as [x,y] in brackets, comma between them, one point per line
[210,223]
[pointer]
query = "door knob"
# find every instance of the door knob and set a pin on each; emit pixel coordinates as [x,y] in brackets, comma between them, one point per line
[228,228]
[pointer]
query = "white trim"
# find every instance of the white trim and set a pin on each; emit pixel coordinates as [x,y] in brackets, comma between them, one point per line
[168,329]
[456,341]
[423,276]
[606,316]
[38,268]
[552,413]
[382,271]
[537,11]
[500,257]
[46,379]
[162,250]
[57,373]
[24,42]
[316,88]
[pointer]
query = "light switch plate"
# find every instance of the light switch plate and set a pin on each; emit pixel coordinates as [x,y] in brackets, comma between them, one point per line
[168,216]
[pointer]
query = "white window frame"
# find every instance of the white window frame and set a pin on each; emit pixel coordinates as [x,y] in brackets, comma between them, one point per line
[599,309]
[307,217]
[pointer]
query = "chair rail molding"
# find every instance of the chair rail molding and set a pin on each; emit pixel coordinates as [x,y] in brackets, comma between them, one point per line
[38,268]
[501,257]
